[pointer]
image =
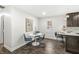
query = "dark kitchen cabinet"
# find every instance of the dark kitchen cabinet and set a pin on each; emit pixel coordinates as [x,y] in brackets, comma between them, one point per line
[73,19]
[69,21]
[78,21]
[72,44]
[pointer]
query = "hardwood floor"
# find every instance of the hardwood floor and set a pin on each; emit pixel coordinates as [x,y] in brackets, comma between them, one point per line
[47,46]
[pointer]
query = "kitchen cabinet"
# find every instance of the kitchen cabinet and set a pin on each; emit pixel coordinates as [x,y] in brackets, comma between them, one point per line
[72,44]
[73,19]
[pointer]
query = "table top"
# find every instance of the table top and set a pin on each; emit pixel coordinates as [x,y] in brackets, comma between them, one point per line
[38,34]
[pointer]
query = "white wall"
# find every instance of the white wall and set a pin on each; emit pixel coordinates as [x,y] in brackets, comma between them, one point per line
[7,13]
[1,41]
[1,37]
[18,22]
[17,28]
[7,32]
[2,11]
[57,23]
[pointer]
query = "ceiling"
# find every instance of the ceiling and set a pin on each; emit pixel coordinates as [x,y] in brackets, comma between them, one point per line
[51,10]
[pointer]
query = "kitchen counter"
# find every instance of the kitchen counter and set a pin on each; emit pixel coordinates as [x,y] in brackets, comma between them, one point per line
[71,41]
[68,34]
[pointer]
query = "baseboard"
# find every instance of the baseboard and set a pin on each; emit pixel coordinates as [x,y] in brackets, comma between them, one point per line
[17,47]
[8,48]
[14,48]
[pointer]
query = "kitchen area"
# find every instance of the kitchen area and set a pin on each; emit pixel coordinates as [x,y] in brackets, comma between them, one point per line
[70,34]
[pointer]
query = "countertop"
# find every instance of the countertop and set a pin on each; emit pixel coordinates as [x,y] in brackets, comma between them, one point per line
[68,34]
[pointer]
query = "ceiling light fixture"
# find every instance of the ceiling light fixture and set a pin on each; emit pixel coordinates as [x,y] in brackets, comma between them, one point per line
[44,13]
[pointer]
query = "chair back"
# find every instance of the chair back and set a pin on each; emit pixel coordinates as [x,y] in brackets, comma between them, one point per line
[27,38]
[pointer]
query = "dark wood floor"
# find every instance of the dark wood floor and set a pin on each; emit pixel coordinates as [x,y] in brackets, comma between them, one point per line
[47,46]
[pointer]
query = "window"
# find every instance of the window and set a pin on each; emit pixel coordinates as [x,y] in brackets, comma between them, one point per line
[29,24]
